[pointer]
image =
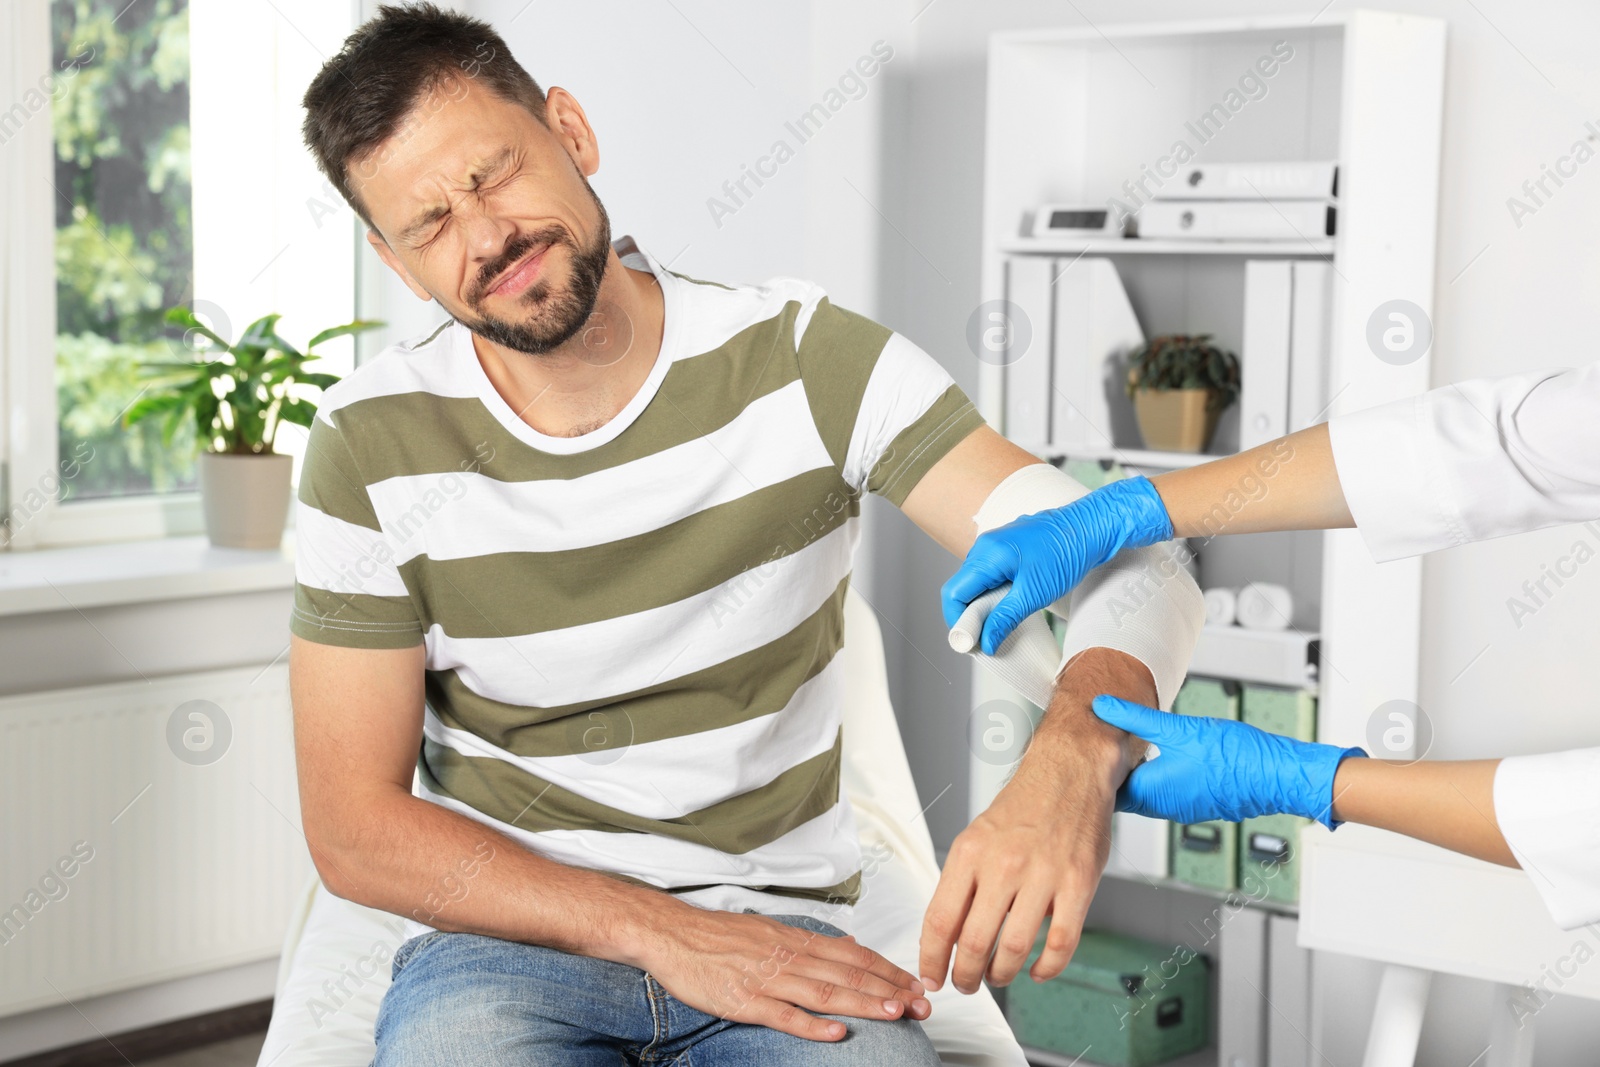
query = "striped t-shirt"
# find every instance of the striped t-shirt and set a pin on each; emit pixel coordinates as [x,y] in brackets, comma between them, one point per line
[632,635]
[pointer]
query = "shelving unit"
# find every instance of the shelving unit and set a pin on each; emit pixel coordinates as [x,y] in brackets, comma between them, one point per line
[1317,247]
[1074,115]
[1175,886]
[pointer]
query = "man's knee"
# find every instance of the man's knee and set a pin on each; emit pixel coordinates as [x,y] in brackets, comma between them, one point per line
[469,1000]
[894,1043]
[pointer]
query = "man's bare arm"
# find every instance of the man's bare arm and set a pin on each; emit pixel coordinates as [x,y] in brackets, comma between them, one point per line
[358,728]
[1041,845]
[950,494]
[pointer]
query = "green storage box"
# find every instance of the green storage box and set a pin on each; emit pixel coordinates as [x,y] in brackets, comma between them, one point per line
[1290,712]
[1209,697]
[1206,854]
[1269,857]
[1121,1002]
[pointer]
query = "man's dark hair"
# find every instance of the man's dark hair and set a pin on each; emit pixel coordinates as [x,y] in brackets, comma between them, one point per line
[387,68]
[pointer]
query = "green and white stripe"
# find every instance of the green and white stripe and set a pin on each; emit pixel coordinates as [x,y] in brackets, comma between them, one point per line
[631,635]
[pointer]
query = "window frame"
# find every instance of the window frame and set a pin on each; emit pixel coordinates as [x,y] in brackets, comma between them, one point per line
[293,37]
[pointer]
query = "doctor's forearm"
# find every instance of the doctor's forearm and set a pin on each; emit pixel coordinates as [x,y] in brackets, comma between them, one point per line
[1287,484]
[1446,803]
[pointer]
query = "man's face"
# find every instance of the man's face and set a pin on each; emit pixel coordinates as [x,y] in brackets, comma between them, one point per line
[485,210]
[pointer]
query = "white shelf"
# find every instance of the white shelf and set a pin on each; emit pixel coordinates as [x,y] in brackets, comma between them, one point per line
[1234,895]
[1267,657]
[1313,248]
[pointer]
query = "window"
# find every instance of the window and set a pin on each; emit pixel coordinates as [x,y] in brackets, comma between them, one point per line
[124,240]
[152,158]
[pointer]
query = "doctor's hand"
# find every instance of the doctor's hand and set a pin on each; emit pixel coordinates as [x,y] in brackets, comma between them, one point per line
[1046,554]
[1219,769]
[1039,848]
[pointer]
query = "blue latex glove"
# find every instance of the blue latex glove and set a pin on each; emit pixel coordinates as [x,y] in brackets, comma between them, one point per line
[1220,769]
[1046,554]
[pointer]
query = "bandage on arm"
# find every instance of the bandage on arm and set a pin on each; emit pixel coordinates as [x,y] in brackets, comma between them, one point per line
[1142,603]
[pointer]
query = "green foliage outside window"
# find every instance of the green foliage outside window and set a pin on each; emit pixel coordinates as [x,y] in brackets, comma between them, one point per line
[124,234]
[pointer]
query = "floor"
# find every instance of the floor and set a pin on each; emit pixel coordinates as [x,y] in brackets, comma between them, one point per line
[239,1052]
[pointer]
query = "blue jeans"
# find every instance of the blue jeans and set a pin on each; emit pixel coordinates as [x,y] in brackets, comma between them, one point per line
[464,1000]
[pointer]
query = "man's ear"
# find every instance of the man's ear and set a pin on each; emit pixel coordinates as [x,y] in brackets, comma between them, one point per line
[564,117]
[385,253]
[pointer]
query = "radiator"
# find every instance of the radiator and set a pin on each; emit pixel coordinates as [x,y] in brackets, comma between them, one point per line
[148,831]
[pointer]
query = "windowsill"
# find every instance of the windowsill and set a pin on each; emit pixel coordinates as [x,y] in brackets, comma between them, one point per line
[132,572]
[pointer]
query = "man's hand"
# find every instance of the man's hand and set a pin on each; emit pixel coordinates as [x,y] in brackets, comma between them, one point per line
[754,969]
[1040,847]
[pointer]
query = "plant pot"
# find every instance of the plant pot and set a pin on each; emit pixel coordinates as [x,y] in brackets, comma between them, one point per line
[1176,420]
[245,498]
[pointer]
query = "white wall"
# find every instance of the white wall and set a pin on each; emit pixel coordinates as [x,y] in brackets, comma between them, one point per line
[683,94]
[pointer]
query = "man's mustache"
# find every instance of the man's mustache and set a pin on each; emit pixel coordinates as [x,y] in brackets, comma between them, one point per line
[549,237]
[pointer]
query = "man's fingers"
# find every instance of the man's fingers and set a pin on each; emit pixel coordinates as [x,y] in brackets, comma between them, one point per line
[834,998]
[864,982]
[978,933]
[1018,934]
[942,923]
[854,954]
[790,1019]
[1066,928]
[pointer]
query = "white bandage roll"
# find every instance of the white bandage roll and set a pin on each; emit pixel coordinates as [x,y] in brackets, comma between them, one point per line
[1142,603]
[1265,606]
[1027,660]
[1222,606]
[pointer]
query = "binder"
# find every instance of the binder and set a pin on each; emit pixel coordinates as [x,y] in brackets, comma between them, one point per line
[1264,355]
[1241,981]
[1308,343]
[1237,220]
[1095,328]
[1255,181]
[1289,988]
[1027,371]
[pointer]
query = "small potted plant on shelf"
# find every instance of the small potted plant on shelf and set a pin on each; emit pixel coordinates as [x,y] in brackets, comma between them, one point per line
[239,395]
[1180,385]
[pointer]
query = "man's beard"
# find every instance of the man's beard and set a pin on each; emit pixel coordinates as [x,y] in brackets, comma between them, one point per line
[560,314]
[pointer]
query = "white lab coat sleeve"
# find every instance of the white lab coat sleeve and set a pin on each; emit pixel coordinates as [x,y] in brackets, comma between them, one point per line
[1471,461]
[1548,808]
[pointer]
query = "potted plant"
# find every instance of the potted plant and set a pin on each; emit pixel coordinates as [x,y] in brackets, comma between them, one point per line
[1180,385]
[239,394]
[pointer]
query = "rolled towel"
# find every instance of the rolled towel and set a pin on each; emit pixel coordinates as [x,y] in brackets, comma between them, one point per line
[1264,606]
[1222,606]
[1027,661]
